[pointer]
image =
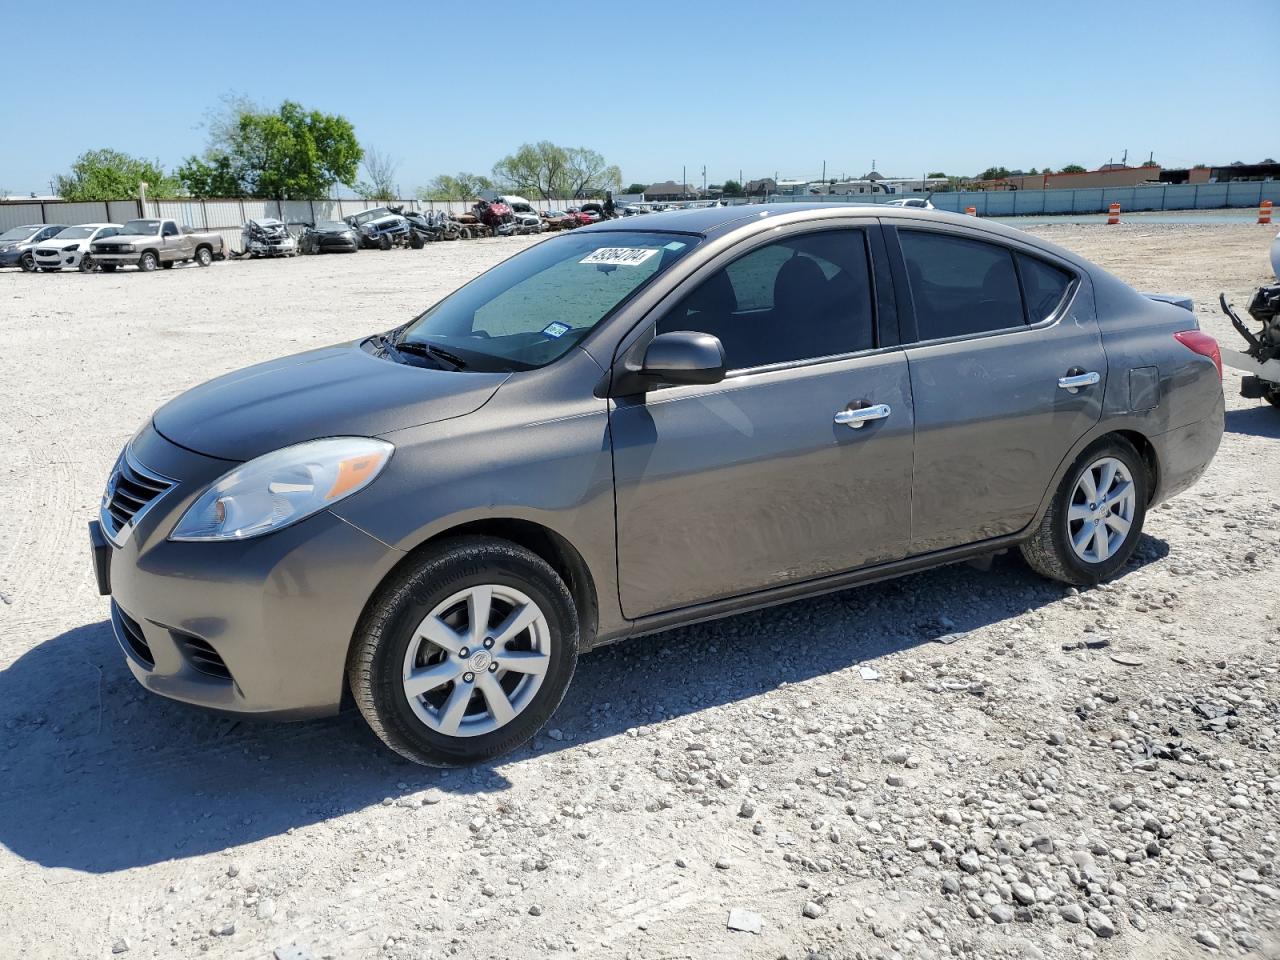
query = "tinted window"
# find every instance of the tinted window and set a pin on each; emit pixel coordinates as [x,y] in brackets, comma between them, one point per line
[1043,286]
[960,287]
[170,230]
[796,299]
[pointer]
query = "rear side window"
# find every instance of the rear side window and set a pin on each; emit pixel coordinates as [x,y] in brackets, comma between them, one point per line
[1044,286]
[960,287]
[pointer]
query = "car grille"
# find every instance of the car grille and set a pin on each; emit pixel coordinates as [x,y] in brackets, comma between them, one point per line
[107,248]
[46,253]
[129,635]
[131,491]
[203,657]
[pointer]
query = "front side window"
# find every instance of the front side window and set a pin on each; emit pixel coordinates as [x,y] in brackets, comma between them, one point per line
[170,230]
[1044,286]
[531,309]
[960,287]
[805,297]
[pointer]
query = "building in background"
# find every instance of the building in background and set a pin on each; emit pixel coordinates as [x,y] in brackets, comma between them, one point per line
[669,190]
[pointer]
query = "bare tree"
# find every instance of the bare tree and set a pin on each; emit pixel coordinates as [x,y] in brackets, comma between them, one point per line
[587,173]
[381,171]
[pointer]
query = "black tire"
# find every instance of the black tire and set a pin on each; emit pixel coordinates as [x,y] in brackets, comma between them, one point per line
[1049,551]
[1272,396]
[27,262]
[108,268]
[167,265]
[415,242]
[384,242]
[148,262]
[204,256]
[86,264]
[390,622]
[464,233]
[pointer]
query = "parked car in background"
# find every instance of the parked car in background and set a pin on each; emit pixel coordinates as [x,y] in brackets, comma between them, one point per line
[527,218]
[152,243]
[633,426]
[329,236]
[267,238]
[69,249]
[915,203]
[380,228]
[17,244]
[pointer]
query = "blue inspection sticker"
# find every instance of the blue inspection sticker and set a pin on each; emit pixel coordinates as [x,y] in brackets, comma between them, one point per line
[674,246]
[556,329]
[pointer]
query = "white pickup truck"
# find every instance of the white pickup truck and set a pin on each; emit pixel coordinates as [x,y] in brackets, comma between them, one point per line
[151,243]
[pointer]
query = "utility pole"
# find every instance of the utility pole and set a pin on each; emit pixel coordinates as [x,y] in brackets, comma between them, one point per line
[684,182]
[824,171]
[704,179]
[1124,160]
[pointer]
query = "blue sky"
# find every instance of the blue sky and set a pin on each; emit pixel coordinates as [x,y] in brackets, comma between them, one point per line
[759,87]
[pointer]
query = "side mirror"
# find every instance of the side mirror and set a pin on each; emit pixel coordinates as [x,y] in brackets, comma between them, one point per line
[682,357]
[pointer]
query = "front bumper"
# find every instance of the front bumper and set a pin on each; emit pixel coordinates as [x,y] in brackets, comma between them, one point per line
[61,261]
[11,258]
[260,626]
[119,259]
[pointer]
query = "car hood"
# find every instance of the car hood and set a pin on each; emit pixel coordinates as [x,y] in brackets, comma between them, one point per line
[334,391]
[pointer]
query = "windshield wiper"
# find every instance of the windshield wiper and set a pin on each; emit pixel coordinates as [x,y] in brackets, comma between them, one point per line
[429,350]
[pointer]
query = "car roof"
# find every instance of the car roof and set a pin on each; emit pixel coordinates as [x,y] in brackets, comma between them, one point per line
[717,221]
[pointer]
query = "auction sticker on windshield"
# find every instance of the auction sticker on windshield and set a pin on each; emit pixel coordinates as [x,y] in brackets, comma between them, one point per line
[620,256]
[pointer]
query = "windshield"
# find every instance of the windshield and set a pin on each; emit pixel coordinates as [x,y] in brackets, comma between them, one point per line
[332,225]
[76,233]
[140,228]
[18,233]
[374,214]
[531,309]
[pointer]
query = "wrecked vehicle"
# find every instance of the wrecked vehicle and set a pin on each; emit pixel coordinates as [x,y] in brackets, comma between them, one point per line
[1261,360]
[381,228]
[526,217]
[329,236]
[267,238]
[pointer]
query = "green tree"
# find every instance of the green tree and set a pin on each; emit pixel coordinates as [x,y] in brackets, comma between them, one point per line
[554,172]
[462,186]
[1150,163]
[111,175]
[994,173]
[732,188]
[290,153]
[635,188]
[936,173]
[1072,168]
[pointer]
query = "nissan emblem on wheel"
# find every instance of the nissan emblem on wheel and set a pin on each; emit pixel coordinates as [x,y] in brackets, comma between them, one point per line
[634,425]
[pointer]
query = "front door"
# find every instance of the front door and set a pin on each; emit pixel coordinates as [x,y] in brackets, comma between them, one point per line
[760,480]
[999,333]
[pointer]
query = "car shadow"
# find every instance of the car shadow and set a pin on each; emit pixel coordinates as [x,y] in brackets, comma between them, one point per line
[1260,421]
[101,776]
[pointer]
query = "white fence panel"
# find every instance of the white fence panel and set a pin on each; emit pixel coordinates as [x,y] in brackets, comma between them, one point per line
[120,211]
[73,213]
[19,215]
[223,214]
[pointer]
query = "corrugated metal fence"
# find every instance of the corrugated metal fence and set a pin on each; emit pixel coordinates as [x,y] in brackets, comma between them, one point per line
[1016,203]
[221,216]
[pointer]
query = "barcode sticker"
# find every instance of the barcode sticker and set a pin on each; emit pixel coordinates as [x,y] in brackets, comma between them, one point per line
[620,256]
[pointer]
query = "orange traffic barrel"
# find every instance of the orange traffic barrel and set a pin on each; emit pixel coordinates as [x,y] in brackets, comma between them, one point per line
[1113,214]
[1264,211]
[971,211]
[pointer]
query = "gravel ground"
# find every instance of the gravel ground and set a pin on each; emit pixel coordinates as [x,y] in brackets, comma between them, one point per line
[959,763]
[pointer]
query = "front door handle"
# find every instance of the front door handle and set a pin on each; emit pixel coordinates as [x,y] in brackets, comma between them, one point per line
[1077,378]
[855,417]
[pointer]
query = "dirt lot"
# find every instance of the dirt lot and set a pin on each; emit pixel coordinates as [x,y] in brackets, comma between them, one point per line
[1034,773]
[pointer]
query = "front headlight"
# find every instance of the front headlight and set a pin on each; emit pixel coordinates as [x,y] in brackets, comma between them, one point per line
[74,246]
[283,487]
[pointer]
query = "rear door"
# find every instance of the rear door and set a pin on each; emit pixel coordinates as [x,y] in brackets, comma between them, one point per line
[1000,332]
[759,481]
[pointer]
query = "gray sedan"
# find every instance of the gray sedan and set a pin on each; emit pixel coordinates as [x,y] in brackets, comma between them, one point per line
[633,426]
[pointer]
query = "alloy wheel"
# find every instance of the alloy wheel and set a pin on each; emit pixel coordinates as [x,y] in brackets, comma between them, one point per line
[477,660]
[1102,510]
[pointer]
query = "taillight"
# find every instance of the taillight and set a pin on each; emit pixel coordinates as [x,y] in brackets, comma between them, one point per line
[1202,344]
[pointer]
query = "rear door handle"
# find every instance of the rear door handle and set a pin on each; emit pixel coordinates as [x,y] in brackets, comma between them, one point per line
[855,417]
[1077,378]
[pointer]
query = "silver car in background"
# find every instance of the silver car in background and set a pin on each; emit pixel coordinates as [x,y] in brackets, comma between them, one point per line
[632,426]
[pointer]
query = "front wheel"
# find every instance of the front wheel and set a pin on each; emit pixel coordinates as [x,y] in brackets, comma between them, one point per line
[87,264]
[204,257]
[1093,524]
[465,655]
[148,262]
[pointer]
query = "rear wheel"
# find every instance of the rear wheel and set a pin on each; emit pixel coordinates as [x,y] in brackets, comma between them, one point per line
[27,262]
[204,256]
[1093,524]
[465,655]
[148,261]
